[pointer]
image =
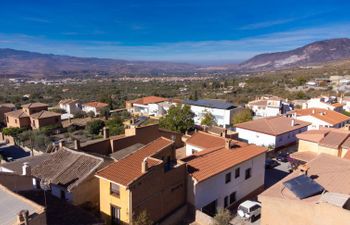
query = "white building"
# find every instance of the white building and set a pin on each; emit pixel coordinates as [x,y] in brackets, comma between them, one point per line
[275,131]
[71,106]
[94,107]
[329,103]
[220,177]
[221,110]
[320,118]
[149,106]
[267,106]
[200,141]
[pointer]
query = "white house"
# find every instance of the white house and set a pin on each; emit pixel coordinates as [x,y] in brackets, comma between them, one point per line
[275,131]
[200,141]
[94,107]
[320,118]
[71,106]
[324,102]
[221,110]
[266,106]
[220,177]
[150,105]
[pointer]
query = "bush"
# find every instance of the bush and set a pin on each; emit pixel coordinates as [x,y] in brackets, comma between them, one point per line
[95,126]
[58,110]
[242,116]
[80,114]
[222,217]
[13,131]
[142,219]
[115,126]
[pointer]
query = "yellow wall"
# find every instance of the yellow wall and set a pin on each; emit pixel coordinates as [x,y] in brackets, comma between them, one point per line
[106,200]
[306,146]
[329,151]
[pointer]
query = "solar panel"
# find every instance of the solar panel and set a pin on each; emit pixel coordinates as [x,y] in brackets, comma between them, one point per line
[211,103]
[303,186]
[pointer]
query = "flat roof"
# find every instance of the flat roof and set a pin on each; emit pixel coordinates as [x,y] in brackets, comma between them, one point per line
[211,103]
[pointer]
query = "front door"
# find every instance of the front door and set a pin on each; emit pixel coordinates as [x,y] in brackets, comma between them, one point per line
[210,209]
[115,214]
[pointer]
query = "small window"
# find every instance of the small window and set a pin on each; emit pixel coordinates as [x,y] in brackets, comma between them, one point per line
[232,197]
[15,120]
[226,202]
[7,119]
[227,178]
[237,172]
[248,173]
[114,189]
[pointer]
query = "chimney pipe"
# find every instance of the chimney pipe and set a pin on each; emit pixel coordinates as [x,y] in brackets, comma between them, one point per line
[105,132]
[144,165]
[304,169]
[228,143]
[61,143]
[76,144]
[293,123]
[26,169]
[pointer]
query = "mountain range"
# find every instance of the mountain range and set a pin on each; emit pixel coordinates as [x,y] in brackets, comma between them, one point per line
[24,63]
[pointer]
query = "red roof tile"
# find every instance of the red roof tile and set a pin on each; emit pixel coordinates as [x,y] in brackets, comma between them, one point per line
[96,104]
[149,100]
[329,116]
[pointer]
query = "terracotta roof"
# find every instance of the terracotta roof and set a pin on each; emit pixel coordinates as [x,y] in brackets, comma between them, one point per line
[210,162]
[258,103]
[96,104]
[126,170]
[275,125]
[328,137]
[17,114]
[347,155]
[313,135]
[329,116]
[8,105]
[205,140]
[65,167]
[304,156]
[334,139]
[149,100]
[44,114]
[34,105]
[337,104]
[330,172]
[216,130]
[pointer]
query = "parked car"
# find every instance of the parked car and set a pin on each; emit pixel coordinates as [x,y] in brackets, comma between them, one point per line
[249,210]
[282,157]
[270,163]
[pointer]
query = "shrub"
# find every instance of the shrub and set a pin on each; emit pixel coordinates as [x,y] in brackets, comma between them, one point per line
[94,127]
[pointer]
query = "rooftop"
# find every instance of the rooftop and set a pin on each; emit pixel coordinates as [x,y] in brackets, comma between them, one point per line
[11,204]
[330,172]
[149,100]
[34,105]
[96,104]
[328,116]
[17,114]
[44,114]
[8,105]
[210,162]
[126,170]
[275,125]
[211,103]
[205,140]
[122,153]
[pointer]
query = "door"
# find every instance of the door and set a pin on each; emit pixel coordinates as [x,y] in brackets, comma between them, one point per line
[210,209]
[115,214]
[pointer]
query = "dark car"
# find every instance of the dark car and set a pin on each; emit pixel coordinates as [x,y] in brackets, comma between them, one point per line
[282,157]
[270,163]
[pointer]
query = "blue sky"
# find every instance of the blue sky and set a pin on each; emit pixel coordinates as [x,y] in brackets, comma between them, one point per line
[203,31]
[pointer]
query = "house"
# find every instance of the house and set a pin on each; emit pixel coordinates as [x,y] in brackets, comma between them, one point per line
[71,106]
[150,105]
[266,106]
[330,141]
[15,209]
[94,107]
[221,176]
[34,115]
[317,193]
[324,102]
[149,180]
[276,132]
[4,108]
[320,117]
[69,174]
[200,141]
[221,110]
[345,100]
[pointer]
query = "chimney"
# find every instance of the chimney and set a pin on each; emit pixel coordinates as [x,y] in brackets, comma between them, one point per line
[304,169]
[26,169]
[293,122]
[76,144]
[144,165]
[23,217]
[61,143]
[313,111]
[105,132]
[228,143]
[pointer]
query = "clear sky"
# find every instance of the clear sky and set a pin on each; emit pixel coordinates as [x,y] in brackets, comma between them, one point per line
[176,30]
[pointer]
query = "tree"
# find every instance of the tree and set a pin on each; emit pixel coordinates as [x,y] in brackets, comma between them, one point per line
[142,219]
[90,114]
[95,126]
[179,118]
[115,125]
[242,116]
[208,119]
[58,110]
[105,112]
[222,217]
[80,114]
[13,131]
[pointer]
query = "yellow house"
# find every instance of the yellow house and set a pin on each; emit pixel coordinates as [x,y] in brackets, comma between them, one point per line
[149,179]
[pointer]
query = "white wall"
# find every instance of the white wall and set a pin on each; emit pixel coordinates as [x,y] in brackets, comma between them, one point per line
[222,116]
[89,109]
[190,148]
[215,187]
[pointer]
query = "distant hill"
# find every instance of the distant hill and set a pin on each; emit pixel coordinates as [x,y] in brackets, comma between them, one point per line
[16,62]
[314,53]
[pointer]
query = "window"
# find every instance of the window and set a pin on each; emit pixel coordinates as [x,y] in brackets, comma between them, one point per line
[227,178]
[15,120]
[232,197]
[115,214]
[7,119]
[226,202]
[114,189]
[237,172]
[248,173]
